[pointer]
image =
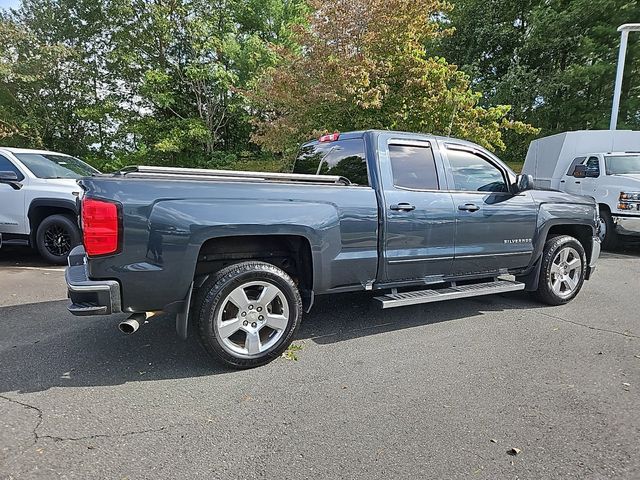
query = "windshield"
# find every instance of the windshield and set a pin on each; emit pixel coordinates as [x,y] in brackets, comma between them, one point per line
[49,165]
[622,164]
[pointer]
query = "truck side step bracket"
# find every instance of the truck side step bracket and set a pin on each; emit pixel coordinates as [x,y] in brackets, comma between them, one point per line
[464,291]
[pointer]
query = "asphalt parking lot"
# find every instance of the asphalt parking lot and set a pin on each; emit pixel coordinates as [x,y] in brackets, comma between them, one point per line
[436,391]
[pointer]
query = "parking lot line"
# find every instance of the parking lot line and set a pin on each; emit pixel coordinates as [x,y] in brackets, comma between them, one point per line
[45,269]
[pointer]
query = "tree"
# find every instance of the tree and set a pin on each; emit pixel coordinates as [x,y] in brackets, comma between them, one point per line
[41,91]
[363,64]
[554,61]
[184,62]
[142,81]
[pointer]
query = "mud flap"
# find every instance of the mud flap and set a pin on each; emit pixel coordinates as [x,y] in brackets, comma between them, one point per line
[307,300]
[182,317]
[533,277]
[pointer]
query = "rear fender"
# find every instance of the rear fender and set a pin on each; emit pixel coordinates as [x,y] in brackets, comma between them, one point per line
[183,226]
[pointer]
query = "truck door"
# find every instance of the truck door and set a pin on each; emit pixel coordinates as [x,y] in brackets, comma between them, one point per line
[494,227]
[571,183]
[591,176]
[419,217]
[13,218]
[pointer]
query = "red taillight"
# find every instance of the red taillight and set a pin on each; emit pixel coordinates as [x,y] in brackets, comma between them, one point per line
[100,226]
[330,137]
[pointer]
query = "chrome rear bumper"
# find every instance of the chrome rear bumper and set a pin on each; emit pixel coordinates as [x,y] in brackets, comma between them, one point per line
[89,297]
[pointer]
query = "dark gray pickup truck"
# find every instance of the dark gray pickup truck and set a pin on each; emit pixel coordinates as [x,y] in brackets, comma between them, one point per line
[416,218]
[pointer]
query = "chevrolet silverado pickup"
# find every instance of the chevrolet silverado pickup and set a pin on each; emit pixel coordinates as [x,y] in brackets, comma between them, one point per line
[416,218]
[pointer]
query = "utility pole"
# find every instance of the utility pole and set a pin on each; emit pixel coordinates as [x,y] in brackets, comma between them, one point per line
[624,35]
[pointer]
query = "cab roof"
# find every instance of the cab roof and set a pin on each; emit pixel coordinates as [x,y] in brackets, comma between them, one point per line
[362,133]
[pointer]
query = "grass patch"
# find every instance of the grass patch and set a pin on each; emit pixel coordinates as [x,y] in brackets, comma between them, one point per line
[290,353]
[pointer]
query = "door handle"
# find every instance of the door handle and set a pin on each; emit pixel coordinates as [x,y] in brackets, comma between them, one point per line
[469,207]
[562,181]
[577,182]
[403,207]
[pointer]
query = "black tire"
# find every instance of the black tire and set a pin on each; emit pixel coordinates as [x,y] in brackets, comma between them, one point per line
[214,297]
[611,239]
[552,248]
[56,236]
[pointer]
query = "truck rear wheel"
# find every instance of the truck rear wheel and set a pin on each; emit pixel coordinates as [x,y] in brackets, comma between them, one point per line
[562,271]
[248,314]
[55,237]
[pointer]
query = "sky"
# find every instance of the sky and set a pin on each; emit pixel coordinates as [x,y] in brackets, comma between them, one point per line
[9,3]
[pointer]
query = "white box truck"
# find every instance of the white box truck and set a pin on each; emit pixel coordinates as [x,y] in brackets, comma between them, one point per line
[603,164]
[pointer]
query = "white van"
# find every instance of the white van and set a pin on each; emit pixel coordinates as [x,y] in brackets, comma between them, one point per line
[603,164]
[38,194]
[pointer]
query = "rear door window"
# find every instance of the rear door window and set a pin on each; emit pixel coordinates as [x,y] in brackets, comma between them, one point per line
[345,158]
[413,167]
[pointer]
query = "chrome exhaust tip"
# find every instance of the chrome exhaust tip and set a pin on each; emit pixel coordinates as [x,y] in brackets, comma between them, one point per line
[132,324]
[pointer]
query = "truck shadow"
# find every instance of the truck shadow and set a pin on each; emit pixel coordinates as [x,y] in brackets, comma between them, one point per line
[12,255]
[630,247]
[43,346]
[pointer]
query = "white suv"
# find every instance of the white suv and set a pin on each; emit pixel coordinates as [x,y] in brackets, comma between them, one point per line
[38,194]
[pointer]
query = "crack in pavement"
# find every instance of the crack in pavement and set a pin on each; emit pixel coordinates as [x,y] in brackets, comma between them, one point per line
[101,435]
[572,322]
[37,436]
[31,407]
[590,327]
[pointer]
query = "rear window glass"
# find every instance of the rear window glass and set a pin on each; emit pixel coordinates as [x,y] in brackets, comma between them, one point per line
[344,158]
[413,167]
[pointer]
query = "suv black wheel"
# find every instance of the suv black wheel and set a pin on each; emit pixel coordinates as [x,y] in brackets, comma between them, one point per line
[56,236]
[564,265]
[607,233]
[248,313]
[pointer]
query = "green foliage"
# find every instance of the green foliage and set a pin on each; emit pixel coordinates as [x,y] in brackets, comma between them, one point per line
[193,82]
[553,61]
[291,353]
[143,81]
[364,65]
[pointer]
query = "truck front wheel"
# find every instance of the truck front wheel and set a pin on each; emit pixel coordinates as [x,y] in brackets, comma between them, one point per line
[607,232]
[562,271]
[248,314]
[55,237]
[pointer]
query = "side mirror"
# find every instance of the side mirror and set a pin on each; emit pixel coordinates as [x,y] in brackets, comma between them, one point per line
[524,183]
[580,171]
[10,178]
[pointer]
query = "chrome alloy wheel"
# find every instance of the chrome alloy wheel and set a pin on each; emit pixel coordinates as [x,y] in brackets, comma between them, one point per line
[566,270]
[602,229]
[252,319]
